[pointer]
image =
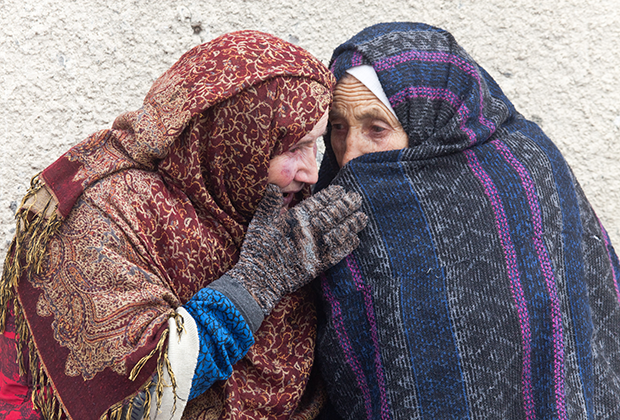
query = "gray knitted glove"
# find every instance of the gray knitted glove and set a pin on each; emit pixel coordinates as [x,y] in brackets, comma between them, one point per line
[282,252]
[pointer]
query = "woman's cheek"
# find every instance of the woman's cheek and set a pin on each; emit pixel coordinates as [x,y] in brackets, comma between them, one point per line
[285,173]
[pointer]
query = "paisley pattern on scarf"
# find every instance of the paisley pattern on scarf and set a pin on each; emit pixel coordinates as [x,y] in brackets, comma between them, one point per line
[155,209]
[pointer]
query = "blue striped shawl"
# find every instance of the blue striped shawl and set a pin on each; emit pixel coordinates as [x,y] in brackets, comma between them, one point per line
[485,286]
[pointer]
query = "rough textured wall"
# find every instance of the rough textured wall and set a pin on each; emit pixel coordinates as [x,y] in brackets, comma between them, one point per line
[70,67]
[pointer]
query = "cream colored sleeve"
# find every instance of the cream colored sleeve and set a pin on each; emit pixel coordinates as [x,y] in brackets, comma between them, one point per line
[183,354]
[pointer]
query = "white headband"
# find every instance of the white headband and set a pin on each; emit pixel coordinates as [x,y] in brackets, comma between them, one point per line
[367,75]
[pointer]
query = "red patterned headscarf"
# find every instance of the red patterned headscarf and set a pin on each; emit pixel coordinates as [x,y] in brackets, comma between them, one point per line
[148,213]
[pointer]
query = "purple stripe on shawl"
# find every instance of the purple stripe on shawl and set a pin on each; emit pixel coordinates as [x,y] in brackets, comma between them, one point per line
[514,276]
[346,345]
[611,263]
[437,57]
[333,66]
[547,271]
[435,94]
[356,60]
[425,92]
[370,315]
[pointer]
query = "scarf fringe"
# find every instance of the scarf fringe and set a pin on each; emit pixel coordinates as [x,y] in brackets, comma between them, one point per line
[116,411]
[34,229]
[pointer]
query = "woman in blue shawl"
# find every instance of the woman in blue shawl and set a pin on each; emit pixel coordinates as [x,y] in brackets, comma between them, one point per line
[485,286]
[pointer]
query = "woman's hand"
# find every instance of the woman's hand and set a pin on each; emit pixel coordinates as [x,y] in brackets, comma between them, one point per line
[282,252]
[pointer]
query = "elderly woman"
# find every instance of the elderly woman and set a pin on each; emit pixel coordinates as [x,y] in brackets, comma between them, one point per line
[150,259]
[484,286]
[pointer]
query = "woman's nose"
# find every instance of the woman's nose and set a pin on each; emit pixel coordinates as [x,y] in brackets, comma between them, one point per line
[352,147]
[307,171]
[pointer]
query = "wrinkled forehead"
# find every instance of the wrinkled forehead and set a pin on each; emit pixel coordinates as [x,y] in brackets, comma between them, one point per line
[366,75]
[354,101]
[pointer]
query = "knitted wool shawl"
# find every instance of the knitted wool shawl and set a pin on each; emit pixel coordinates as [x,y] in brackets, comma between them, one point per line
[485,287]
[148,213]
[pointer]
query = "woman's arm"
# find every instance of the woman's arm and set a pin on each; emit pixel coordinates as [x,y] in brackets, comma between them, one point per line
[281,253]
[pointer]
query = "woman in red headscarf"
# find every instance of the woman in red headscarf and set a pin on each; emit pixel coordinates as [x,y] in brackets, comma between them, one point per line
[150,257]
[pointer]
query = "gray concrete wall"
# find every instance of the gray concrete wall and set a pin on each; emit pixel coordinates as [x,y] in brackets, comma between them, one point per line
[68,68]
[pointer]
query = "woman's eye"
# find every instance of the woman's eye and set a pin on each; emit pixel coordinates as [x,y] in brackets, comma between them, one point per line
[337,126]
[377,129]
[293,150]
[302,148]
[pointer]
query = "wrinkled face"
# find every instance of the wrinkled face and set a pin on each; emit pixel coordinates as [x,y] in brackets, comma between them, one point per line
[297,166]
[361,123]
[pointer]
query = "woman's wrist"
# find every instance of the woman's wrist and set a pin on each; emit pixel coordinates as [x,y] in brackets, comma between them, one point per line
[243,300]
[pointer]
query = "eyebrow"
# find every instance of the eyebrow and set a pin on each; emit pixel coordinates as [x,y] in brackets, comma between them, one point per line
[334,114]
[302,142]
[371,114]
